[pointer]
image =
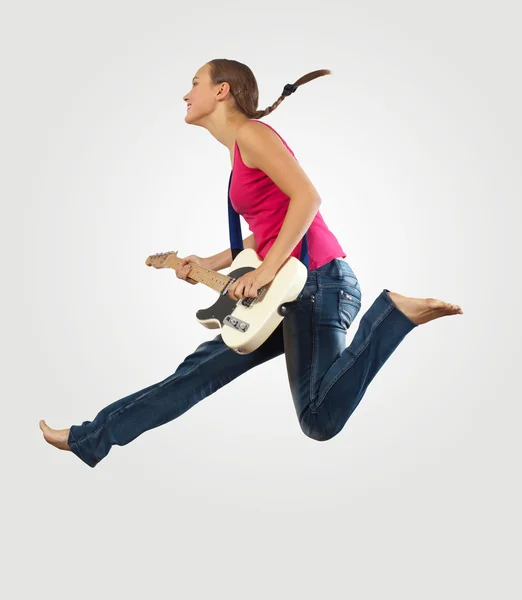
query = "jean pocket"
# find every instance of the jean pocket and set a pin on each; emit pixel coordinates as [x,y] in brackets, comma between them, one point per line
[308,292]
[349,306]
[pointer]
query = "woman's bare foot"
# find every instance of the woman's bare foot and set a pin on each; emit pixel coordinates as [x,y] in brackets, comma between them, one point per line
[56,437]
[422,310]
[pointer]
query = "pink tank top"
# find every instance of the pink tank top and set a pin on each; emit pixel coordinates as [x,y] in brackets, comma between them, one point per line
[263,206]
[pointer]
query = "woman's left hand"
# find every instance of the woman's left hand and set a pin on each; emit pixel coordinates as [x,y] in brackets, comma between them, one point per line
[247,286]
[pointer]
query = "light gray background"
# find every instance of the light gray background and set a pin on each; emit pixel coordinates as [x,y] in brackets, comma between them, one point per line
[414,145]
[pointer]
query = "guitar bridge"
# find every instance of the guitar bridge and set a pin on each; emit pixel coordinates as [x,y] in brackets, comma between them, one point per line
[248,302]
[236,323]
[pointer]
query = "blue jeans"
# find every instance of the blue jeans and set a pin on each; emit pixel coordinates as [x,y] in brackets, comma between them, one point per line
[327,378]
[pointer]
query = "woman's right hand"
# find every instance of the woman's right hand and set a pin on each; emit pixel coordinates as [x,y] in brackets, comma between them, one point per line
[183,270]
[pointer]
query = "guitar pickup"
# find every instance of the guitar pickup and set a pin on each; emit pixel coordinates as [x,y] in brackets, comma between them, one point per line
[248,302]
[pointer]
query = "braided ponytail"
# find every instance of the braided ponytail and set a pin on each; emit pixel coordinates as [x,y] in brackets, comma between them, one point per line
[290,88]
[244,89]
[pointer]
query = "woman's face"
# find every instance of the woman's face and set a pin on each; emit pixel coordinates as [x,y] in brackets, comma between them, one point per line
[200,100]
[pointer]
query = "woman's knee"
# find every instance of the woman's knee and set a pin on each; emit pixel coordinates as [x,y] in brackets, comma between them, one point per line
[316,428]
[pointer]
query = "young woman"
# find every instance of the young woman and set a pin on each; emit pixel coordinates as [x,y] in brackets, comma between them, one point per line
[281,205]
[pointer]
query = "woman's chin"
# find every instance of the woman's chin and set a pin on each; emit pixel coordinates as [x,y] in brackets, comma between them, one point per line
[193,119]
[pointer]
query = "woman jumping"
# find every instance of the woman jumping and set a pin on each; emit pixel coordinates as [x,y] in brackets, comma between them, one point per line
[281,206]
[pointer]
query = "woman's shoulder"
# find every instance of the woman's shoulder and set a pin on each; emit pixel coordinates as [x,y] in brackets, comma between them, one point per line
[255,132]
[257,125]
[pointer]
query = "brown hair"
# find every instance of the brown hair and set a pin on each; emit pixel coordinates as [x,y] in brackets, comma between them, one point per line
[243,85]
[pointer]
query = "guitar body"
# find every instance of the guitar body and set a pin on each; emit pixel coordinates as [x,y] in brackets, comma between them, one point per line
[247,323]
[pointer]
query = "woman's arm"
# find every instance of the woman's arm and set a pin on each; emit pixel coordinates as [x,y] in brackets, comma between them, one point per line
[223,260]
[266,151]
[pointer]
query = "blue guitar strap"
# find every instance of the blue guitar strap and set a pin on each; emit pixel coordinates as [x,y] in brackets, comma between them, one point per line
[236,239]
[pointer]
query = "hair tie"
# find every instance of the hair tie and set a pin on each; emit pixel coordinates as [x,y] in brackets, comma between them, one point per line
[289,88]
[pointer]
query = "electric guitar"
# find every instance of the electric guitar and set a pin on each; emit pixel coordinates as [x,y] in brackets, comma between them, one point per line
[248,322]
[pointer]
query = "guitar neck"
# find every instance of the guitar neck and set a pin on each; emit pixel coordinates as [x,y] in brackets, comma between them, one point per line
[212,279]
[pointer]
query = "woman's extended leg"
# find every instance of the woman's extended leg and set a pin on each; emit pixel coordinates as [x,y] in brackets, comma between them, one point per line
[212,365]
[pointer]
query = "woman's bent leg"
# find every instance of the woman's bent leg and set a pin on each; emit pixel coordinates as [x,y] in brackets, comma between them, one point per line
[212,365]
[328,379]
[381,330]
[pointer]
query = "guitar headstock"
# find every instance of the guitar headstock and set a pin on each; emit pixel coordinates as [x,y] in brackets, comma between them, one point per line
[162,260]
